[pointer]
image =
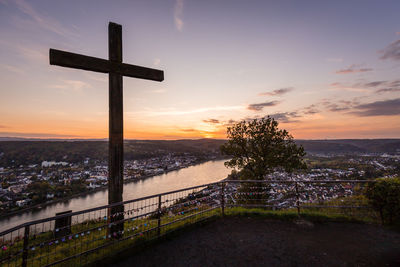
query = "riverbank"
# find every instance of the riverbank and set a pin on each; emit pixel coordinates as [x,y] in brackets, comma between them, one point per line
[39,206]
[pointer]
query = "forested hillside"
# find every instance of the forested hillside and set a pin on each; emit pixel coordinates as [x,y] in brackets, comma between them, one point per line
[34,152]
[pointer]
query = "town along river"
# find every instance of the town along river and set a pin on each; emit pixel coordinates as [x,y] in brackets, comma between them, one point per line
[208,172]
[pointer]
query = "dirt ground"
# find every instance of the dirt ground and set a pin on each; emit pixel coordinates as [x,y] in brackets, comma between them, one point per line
[264,242]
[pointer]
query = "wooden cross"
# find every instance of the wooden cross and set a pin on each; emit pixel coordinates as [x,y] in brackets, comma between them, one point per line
[115,69]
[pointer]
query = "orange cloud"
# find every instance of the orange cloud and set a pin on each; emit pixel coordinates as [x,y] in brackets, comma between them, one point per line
[353,69]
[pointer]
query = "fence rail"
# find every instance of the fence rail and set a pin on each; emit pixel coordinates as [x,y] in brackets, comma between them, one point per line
[77,238]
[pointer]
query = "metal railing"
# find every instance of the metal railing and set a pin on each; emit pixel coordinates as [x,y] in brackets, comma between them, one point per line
[78,238]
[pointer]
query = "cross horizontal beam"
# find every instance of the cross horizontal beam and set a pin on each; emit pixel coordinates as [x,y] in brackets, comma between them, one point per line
[77,61]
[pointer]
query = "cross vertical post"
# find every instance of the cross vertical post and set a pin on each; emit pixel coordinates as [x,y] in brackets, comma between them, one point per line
[116,128]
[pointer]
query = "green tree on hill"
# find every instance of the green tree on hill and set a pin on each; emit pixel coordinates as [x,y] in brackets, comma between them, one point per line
[384,197]
[258,147]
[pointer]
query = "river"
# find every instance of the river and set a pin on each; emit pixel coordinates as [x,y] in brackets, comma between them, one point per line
[208,172]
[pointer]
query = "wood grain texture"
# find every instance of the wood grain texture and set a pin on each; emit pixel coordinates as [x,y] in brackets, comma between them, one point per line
[77,61]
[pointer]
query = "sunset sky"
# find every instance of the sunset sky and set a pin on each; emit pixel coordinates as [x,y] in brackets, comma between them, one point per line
[323,69]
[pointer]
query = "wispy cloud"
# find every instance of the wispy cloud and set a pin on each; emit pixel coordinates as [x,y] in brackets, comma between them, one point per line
[193,111]
[353,69]
[395,83]
[354,107]
[178,13]
[74,85]
[333,107]
[261,106]
[276,92]
[159,91]
[338,106]
[389,87]
[310,110]
[99,77]
[379,86]
[378,108]
[203,133]
[189,130]
[341,87]
[156,62]
[388,90]
[212,121]
[286,117]
[12,68]
[41,20]
[334,59]
[392,51]
[229,122]
[31,54]
[36,135]
[374,84]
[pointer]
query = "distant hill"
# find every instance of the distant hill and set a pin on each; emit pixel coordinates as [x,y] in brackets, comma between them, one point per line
[48,139]
[328,147]
[351,145]
[33,151]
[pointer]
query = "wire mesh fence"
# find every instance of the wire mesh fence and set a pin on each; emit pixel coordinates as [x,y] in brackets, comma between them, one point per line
[78,238]
[333,197]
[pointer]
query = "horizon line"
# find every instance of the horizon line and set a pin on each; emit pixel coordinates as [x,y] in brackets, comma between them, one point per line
[4,139]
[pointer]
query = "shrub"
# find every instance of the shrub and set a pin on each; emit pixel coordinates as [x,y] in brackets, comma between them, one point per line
[384,197]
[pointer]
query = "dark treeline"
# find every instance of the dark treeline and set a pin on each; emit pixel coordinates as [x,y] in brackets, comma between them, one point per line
[14,153]
[351,145]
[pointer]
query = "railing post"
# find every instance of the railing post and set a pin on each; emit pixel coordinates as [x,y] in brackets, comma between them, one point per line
[297,199]
[223,199]
[159,216]
[25,246]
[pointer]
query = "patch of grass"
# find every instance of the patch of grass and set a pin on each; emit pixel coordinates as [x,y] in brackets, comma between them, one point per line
[290,215]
